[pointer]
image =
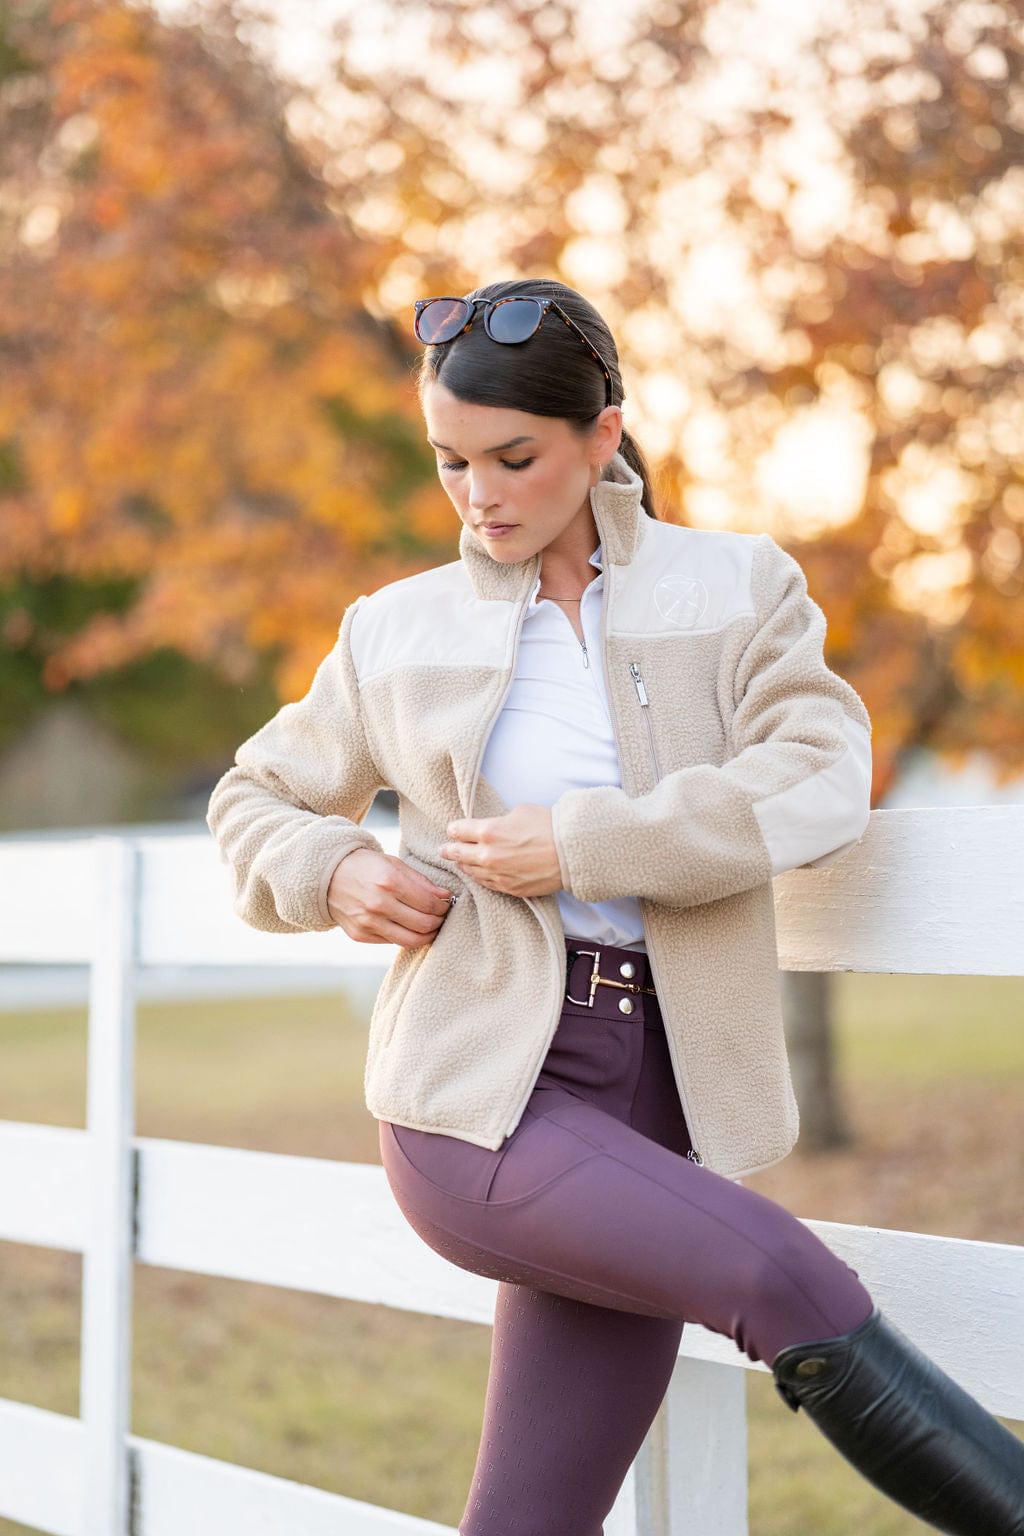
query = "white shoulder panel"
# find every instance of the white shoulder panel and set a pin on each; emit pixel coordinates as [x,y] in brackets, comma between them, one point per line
[431,619]
[695,580]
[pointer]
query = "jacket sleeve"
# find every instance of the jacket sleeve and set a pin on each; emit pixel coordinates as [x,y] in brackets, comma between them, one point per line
[287,812]
[795,791]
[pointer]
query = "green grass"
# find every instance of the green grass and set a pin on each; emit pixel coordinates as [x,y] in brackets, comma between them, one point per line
[384,1405]
[931,1028]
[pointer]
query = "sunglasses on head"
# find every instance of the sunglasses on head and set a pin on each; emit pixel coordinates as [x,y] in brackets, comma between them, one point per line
[510,320]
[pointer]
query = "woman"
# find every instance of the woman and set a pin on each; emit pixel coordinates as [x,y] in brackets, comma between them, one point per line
[607,734]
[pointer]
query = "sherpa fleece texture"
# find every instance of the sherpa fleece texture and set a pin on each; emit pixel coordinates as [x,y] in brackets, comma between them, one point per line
[751,756]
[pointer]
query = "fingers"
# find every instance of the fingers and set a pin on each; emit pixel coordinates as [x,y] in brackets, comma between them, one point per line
[514,854]
[465,835]
[379,899]
[381,920]
[389,932]
[414,890]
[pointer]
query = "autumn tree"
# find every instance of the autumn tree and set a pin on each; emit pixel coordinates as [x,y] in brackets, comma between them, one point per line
[207,445]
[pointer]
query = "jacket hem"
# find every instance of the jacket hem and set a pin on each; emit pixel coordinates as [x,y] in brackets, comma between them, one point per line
[745,1173]
[458,1132]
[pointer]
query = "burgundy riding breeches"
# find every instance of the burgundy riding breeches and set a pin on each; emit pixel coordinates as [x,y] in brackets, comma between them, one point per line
[605,1239]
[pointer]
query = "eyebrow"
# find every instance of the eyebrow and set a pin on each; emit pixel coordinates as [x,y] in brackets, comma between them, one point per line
[513,442]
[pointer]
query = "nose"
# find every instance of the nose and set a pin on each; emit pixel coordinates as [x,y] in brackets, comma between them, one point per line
[483,492]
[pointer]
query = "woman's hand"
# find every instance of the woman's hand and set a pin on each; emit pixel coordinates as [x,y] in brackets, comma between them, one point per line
[514,853]
[379,899]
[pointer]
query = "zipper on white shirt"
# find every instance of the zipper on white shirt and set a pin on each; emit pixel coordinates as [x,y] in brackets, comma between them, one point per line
[641,693]
[583,643]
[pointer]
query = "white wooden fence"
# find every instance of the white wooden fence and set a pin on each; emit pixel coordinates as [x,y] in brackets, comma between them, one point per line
[925,891]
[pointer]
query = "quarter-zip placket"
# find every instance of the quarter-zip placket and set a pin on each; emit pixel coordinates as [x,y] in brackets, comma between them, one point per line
[558,950]
[638,682]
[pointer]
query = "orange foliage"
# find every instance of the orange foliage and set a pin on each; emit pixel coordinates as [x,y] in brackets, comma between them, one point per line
[177,341]
[206,369]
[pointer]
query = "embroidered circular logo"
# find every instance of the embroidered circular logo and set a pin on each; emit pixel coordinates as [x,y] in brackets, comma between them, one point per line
[682,600]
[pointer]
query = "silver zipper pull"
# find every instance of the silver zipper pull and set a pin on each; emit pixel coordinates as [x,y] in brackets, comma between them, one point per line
[638,683]
[641,693]
[586,658]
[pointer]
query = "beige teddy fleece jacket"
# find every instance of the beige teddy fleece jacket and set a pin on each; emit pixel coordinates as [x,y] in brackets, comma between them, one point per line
[742,755]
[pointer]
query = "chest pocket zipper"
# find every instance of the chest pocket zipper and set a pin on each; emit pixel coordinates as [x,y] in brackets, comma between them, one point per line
[641,693]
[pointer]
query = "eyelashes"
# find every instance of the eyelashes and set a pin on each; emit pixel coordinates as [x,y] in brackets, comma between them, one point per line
[461,464]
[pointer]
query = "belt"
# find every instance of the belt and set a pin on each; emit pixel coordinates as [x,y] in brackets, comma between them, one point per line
[597,980]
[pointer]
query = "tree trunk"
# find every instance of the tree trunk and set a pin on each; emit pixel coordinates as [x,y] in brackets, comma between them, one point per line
[807,1007]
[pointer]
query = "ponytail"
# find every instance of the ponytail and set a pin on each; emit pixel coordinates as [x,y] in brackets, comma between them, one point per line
[633,456]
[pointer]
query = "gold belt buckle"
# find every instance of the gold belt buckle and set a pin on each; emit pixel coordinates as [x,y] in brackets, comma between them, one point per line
[597,980]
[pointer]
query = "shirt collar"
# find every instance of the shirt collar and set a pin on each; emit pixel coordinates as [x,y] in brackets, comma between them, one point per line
[596,559]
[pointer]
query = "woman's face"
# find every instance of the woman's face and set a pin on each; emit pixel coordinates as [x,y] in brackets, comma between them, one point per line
[529,476]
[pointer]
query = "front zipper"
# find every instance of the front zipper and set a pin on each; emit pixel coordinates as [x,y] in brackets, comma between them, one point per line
[641,692]
[538,914]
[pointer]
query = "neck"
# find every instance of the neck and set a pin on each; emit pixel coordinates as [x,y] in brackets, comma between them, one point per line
[565,567]
[564,580]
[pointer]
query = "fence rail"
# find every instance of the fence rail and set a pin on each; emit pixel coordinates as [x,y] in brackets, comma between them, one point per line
[926,891]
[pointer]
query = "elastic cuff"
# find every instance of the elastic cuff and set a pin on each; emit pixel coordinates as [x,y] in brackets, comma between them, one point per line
[558,849]
[327,876]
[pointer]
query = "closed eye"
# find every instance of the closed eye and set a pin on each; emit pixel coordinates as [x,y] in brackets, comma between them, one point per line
[460,464]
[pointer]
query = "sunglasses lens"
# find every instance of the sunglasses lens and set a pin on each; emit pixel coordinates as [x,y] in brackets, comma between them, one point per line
[515,320]
[442,320]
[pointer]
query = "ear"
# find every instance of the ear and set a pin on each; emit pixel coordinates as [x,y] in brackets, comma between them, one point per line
[606,436]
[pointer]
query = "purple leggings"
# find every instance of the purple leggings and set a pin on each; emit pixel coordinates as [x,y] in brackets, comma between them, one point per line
[605,1239]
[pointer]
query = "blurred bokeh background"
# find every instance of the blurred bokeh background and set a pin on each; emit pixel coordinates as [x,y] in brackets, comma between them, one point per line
[805,224]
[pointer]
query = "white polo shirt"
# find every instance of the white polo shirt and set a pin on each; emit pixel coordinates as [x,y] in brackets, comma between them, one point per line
[554,733]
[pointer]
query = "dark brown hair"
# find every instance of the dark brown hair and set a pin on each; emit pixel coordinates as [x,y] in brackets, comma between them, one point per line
[549,375]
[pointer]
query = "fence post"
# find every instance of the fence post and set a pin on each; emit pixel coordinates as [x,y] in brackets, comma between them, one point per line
[690,1473]
[706,1449]
[653,1496]
[105,1396]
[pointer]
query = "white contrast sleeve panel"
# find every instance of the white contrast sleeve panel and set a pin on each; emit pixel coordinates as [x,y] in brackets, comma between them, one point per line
[819,818]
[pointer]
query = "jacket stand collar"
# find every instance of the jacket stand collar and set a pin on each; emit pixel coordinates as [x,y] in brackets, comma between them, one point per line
[618,513]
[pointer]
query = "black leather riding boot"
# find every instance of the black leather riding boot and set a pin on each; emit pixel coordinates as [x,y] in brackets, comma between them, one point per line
[908,1428]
